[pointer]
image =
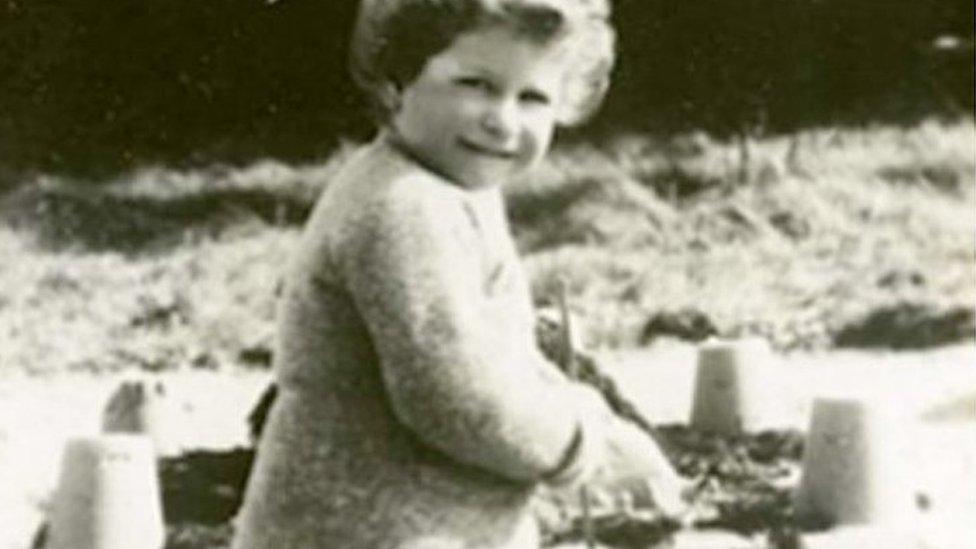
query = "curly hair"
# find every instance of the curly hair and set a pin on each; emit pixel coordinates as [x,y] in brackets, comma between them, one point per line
[393,39]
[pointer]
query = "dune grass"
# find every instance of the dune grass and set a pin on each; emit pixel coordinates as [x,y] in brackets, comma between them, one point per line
[162,269]
[827,226]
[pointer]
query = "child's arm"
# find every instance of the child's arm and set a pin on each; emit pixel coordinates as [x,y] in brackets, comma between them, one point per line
[634,462]
[414,269]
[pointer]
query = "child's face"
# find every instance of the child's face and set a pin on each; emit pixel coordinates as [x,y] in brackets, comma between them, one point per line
[482,110]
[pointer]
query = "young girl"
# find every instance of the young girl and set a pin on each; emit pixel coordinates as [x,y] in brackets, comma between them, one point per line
[414,409]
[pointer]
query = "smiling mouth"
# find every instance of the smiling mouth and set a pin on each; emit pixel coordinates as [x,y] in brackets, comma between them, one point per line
[486,151]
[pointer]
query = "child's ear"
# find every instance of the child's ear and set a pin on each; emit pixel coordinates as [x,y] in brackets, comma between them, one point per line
[567,107]
[567,116]
[579,104]
[390,94]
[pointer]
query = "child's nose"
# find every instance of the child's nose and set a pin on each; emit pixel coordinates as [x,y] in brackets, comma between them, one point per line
[500,119]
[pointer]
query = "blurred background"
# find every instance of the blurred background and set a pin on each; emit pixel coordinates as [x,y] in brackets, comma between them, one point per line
[801,170]
[91,88]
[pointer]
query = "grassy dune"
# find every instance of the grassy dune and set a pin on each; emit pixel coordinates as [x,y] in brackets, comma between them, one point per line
[816,236]
[824,228]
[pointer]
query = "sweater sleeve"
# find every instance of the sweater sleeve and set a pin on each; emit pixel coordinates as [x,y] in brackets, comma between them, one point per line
[414,270]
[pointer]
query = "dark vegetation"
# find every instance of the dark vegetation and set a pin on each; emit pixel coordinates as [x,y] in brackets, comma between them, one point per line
[204,487]
[686,324]
[93,88]
[908,326]
[75,216]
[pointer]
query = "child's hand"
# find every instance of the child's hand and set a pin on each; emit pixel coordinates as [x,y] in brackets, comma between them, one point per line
[636,465]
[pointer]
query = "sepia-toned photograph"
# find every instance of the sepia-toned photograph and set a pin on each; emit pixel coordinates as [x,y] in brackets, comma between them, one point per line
[488,274]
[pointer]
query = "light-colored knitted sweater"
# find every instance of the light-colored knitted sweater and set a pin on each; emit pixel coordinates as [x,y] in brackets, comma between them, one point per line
[414,408]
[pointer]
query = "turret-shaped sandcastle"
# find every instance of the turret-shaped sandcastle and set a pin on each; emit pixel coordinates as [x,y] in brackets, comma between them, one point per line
[108,494]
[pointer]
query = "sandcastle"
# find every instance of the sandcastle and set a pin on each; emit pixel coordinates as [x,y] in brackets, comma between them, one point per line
[735,389]
[854,469]
[107,495]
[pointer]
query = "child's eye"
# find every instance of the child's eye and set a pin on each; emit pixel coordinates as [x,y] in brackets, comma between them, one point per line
[535,97]
[473,83]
